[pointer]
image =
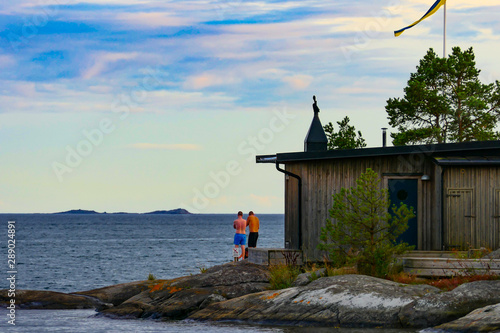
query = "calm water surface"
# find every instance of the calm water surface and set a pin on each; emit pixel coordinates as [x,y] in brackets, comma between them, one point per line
[71,253]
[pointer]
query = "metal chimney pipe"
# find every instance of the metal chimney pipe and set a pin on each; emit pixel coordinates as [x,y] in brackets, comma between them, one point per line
[384,136]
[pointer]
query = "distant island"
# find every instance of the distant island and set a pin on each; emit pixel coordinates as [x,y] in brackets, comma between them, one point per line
[79,211]
[176,211]
[173,211]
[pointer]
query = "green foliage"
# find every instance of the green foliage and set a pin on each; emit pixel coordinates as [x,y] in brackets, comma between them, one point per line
[333,271]
[282,276]
[203,269]
[314,272]
[151,277]
[445,101]
[365,233]
[345,138]
[314,276]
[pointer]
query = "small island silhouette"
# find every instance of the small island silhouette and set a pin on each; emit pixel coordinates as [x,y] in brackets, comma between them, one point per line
[176,211]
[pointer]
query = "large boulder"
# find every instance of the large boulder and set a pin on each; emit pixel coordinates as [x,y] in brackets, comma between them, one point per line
[306,278]
[36,299]
[436,309]
[485,319]
[99,299]
[118,293]
[347,301]
[178,298]
[493,255]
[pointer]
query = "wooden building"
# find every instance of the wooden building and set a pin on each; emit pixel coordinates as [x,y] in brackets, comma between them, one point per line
[454,189]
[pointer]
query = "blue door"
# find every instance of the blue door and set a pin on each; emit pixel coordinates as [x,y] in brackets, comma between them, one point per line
[406,191]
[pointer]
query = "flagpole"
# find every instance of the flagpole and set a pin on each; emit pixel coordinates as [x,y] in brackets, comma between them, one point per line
[444,31]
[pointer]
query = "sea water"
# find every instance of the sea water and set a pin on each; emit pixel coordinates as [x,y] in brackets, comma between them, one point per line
[73,252]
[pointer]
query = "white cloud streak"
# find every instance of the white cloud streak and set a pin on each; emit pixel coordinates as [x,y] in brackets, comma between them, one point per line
[102,61]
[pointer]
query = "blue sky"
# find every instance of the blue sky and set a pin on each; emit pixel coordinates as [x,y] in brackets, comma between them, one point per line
[121,105]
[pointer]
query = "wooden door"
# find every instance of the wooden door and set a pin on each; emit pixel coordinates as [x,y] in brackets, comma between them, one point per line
[460,218]
[405,191]
[496,220]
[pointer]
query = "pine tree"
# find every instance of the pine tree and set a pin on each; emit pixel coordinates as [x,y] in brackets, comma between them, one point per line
[345,138]
[445,101]
[363,232]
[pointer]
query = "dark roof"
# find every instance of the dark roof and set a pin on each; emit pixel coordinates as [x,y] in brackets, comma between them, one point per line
[480,150]
[316,139]
[467,160]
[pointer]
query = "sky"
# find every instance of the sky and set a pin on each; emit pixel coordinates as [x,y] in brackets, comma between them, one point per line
[135,106]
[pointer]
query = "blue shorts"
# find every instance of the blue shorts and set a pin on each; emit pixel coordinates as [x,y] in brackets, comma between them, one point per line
[240,239]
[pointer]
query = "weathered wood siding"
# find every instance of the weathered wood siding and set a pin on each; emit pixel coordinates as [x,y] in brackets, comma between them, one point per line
[321,179]
[291,212]
[472,207]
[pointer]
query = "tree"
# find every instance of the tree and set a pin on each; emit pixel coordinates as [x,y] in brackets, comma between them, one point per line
[364,232]
[445,101]
[345,138]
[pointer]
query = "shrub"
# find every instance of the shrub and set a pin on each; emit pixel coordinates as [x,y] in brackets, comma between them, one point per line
[151,277]
[282,276]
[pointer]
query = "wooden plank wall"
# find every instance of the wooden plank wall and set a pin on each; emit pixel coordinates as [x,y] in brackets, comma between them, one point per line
[291,215]
[482,229]
[321,179]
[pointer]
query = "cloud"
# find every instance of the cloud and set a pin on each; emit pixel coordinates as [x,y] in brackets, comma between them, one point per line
[264,201]
[175,101]
[462,4]
[153,20]
[205,80]
[69,96]
[6,61]
[60,96]
[161,146]
[366,86]
[298,82]
[101,89]
[103,60]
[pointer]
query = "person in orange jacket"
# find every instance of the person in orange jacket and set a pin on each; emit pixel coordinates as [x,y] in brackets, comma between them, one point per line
[254,224]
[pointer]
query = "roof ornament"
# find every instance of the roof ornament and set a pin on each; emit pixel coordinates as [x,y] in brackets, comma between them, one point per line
[315,105]
[316,139]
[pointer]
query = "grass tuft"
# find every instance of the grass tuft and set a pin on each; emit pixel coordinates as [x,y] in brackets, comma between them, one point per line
[282,276]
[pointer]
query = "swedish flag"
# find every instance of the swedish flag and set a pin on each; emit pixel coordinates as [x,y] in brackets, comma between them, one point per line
[435,7]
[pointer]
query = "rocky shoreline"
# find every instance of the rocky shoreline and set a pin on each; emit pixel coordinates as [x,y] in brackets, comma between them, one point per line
[238,292]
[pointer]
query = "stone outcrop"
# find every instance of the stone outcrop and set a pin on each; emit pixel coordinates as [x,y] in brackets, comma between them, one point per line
[485,319]
[178,298]
[356,301]
[238,292]
[493,255]
[99,299]
[306,278]
[117,294]
[347,301]
[36,299]
[443,307]
[173,299]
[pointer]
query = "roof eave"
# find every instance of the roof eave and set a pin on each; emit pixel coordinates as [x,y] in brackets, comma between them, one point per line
[427,150]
